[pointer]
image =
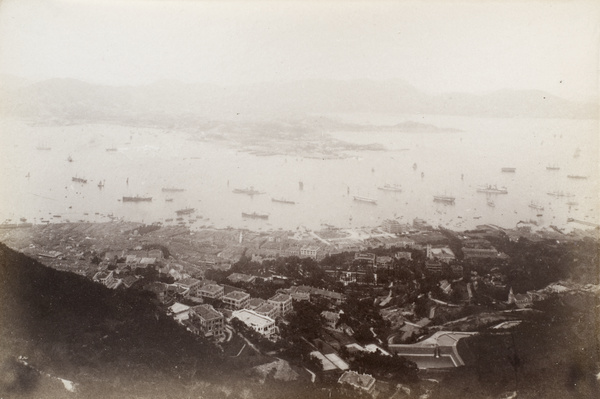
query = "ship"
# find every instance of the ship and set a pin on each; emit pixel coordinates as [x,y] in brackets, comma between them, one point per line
[390,187]
[509,170]
[491,203]
[553,167]
[111,149]
[254,215]
[282,200]
[560,194]
[365,199]
[444,198]
[489,189]
[247,191]
[79,180]
[137,198]
[172,190]
[578,177]
[536,206]
[185,211]
[43,148]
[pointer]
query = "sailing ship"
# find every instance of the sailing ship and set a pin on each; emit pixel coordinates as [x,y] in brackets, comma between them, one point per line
[254,215]
[365,199]
[137,198]
[390,187]
[282,200]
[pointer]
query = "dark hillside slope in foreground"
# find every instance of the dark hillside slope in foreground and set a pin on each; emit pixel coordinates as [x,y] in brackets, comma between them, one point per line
[553,353]
[72,328]
[111,344]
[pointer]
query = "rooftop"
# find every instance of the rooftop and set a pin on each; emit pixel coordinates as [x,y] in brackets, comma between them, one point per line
[280,298]
[207,312]
[211,288]
[252,318]
[237,295]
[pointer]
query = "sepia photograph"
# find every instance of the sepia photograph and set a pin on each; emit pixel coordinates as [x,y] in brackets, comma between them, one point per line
[299,199]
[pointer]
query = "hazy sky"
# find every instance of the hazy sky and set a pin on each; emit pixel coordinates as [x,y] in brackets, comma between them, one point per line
[470,46]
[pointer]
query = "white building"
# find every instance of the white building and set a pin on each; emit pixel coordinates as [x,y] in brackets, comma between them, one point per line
[261,324]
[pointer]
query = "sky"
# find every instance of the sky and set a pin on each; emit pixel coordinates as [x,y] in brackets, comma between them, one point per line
[450,46]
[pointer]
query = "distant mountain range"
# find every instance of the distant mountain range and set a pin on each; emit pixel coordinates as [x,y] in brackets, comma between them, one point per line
[71,100]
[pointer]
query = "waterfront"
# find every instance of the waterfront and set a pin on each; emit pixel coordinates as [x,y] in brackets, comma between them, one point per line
[454,164]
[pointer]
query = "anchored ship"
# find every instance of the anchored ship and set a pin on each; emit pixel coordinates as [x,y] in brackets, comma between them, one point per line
[536,206]
[365,199]
[492,190]
[137,198]
[390,187]
[185,211]
[509,170]
[282,200]
[172,190]
[254,215]
[560,194]
[79,180]
[247,191]
[444,198]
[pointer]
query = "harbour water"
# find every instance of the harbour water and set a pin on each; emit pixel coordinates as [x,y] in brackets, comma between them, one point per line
[453,164]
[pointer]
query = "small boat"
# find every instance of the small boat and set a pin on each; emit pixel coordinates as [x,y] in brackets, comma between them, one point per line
[254,215]
[390,187]
[572,203]
[111,149]
[28,175]
[169,199]
[577,152]
[137,198]
[415,166]
[365,199]
[282,200]
[79,180]
[70,159]
[509,170]
[43,148]
[553,167]
[23,219]
[577,177]
[172,190]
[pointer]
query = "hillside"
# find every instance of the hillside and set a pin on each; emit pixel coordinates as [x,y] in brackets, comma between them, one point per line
[178,102]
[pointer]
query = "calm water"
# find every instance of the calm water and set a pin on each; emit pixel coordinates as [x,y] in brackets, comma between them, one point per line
[151,159]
